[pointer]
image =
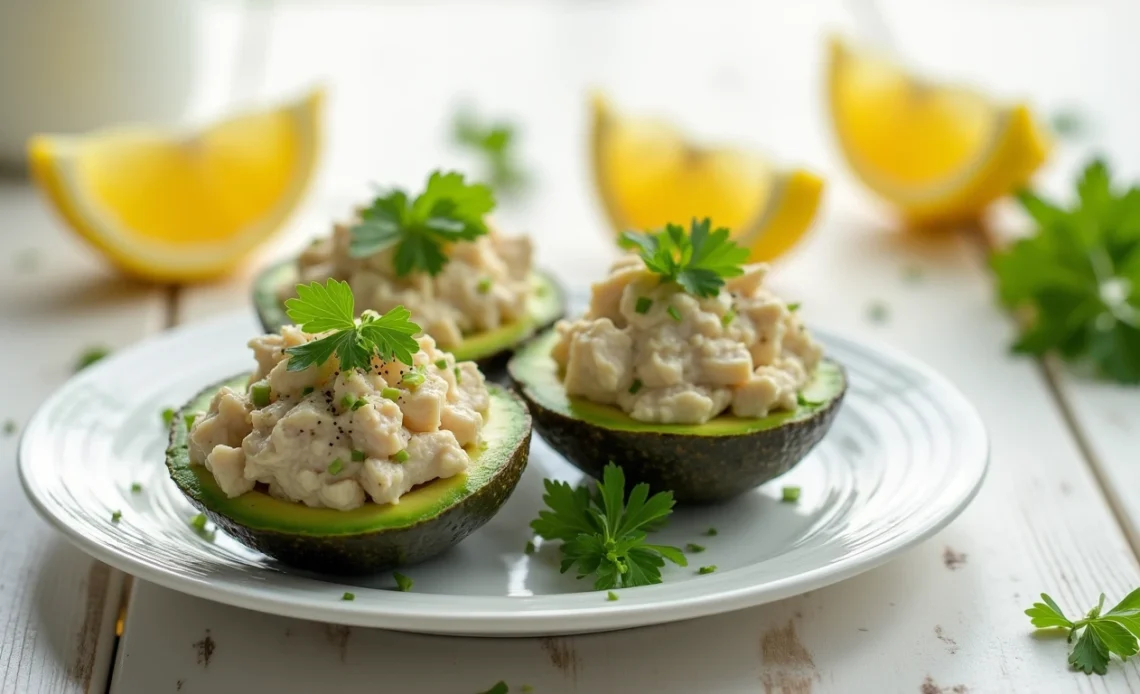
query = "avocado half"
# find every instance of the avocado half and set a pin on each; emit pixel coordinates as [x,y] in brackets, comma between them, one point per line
[427,520]
[489,349]
[700,463]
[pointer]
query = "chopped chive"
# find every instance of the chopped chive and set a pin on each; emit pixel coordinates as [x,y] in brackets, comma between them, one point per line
[484,285]
[115,516]
[90,356]
[794,306]
[348,596]
[348,401]
[529,547]
[10,427]
[711,532]
[644,303]
[189,420]
[707,569]
[790,494]
[360,402]
[259,394]
[168,416]
[802,401]
[458,376]
[413,379]
[401,456]
[390,393]
[611,596]
[198,522]
[358,456]
[136,488]
[402,582]
[728,317]
[441,364]
[306,390]
[635,387]
[674,313]
[335,467]
[694,548]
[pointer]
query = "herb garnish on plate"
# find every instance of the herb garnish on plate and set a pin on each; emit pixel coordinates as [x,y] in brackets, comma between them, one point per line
[1115,631]
[604,534]
[320,308]
[699,261]
[449,210]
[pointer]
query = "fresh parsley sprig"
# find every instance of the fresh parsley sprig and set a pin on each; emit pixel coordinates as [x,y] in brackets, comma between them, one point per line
[1078,277]
[1115,631]
[698,261]
[604,534]
[496,144]
[448,211]
[320,308]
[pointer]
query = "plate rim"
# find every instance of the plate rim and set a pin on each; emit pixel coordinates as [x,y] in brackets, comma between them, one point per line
[546,621]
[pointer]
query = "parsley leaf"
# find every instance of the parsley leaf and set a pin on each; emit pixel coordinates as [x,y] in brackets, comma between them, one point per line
[321,308]
[698,261]
[448,211]
[495,142]
[1104,633]
[604,533]
[1077,279]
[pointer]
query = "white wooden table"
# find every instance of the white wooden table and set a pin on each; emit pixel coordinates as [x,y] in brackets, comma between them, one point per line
[1059,512]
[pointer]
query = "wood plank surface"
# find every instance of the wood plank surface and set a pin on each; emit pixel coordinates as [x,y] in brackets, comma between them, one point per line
[945,617]
[57,606]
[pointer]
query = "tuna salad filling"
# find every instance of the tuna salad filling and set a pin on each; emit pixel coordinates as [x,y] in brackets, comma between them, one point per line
[484,285]
[334,439]
[663,355]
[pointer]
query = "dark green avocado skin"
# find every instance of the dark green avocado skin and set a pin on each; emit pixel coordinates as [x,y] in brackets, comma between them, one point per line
[370,553]
[697,469]
[271,314]
[363,552]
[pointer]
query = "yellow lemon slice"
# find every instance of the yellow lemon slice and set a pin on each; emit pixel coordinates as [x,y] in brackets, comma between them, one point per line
[648,175]
[938,153]
[176,207]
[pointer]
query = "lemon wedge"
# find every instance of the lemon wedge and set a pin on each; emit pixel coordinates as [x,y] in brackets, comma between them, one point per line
[177,207]
[938,153]
[647,175]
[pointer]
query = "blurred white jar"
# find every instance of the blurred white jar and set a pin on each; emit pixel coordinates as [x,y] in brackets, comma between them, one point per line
[67,66]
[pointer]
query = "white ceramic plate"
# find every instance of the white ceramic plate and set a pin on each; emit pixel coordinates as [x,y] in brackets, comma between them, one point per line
[905,455]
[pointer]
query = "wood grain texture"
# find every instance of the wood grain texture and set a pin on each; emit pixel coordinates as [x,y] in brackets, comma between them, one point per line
[945,617]
[57,606]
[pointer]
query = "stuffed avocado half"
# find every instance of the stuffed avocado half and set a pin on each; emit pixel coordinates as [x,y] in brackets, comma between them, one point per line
[471,287]
[356,444]
[684,369]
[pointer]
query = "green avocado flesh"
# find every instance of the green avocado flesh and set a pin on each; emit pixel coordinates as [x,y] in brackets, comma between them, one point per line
[426,521]
[546,305]
[700,463]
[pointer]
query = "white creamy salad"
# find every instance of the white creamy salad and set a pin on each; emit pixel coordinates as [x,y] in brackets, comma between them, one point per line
[329,439]
[663,355]
[484,285]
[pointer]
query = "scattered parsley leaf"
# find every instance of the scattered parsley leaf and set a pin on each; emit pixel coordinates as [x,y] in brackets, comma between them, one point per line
[89,356]
[499,687]
[794,306]
[320,308]
[1068,123]
[136,488]
[115,516]
[189,418]
[348,596]
[878,312]
[707,569]
[711,532]
[611,596]
[10,427]
[698,261]
[790,494]
[526,688]
[603,533]
[168,416]
[1076,280]
[448,211]
[694,548]
[529,549]
[1104,633]
[198,522]
[403,583]
[495,142]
